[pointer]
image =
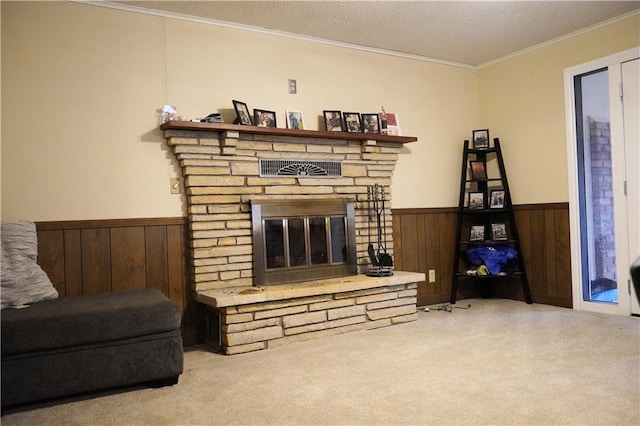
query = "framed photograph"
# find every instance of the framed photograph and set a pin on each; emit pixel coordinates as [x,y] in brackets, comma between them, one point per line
[478,170]
[242,113]
[498,231]
[333,120]
[264,118]
[481,139]
[496,200]
[477,233]
[476,200]
[352,122]
[370,123]
[294,120]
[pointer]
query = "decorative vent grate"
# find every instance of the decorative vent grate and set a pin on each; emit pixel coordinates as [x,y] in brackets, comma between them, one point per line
[300,168]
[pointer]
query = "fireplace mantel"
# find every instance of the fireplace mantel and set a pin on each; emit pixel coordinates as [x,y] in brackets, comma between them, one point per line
[271,131]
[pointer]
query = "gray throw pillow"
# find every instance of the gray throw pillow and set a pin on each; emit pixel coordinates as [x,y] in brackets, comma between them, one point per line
[22,280]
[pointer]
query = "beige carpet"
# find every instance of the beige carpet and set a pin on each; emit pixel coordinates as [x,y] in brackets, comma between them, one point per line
[499,362]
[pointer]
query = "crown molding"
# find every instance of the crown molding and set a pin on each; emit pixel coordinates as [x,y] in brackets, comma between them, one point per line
[225,24]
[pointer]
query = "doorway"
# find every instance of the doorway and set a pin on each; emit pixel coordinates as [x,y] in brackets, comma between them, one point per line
[595,180]
[631,84]
[601,138]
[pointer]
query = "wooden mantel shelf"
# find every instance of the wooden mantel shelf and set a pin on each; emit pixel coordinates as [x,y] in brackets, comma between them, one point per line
[210,127]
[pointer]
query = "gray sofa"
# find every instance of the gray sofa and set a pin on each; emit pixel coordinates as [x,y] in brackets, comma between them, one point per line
[53,347]
[68,346]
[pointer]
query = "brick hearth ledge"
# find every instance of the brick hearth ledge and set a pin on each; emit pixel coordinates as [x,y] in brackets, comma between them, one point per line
[256,318]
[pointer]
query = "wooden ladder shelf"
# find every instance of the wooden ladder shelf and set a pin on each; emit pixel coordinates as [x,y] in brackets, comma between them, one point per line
[485,224]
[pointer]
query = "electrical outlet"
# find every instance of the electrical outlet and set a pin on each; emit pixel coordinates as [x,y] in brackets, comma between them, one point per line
[432,275]
[176,186]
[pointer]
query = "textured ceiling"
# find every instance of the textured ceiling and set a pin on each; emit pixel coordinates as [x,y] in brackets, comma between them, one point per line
[464,32]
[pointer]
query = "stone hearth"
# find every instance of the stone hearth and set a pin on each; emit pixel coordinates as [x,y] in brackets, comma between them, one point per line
[255,318]
[220,166]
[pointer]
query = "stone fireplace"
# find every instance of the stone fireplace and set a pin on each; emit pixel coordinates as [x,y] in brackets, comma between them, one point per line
[305,192]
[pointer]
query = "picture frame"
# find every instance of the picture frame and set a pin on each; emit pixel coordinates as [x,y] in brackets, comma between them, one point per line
[242,113]
[480,139]
[264,118]
[333,120]
[393,124]
[478,170]
[476,200]
[295,120]
[498,231]
[476,233]
[370,123]
[352,122]
[496,199]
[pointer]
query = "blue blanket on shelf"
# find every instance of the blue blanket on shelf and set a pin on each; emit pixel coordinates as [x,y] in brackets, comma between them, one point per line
[494,257]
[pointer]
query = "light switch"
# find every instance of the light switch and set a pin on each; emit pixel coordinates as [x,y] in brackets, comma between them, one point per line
[293,87]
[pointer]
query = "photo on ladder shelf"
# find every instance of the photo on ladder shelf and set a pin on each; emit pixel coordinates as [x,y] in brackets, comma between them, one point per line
[481,139]
[498,231]
[476,200]
[496,200]
[478,171]
[477,233]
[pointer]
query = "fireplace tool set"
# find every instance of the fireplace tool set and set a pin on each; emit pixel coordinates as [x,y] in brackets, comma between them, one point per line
[381,261]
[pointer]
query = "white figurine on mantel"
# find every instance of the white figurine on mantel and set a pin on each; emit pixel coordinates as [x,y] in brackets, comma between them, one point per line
[168,113]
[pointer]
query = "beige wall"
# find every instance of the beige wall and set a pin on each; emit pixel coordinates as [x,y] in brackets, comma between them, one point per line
[522,102]
[81,86]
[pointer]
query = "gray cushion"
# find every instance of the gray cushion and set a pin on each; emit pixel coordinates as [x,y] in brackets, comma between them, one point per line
[22,280]
[88,319]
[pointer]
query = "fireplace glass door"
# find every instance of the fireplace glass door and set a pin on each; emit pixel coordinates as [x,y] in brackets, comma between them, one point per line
[300,242]
[305,246]
[296,242]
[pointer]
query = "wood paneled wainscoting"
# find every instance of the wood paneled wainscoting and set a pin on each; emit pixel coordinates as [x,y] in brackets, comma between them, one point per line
[424,239]
[98,256]
[93,256]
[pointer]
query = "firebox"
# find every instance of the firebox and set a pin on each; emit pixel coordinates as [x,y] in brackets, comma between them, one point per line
[297,240]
